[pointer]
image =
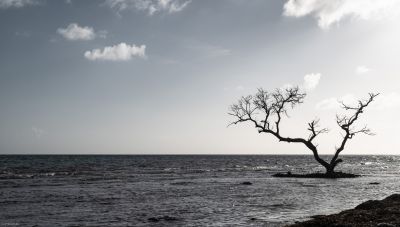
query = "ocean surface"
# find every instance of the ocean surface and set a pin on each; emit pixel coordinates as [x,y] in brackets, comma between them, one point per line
[195,190]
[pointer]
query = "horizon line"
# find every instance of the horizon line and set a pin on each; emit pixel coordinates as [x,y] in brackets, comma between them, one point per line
[172,154]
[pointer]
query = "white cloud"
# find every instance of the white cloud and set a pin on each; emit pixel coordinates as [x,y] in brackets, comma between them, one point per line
[239,88]
[327,104]
[151,6]
[75,32]
[334,103]
[208,50]
[311,80]
[287,86]
[38,132]
[102,34]
[24,34]
[17,3]
[214,51]
[383,101]
[387,101]
[120,52]
[328,12]
[362,69]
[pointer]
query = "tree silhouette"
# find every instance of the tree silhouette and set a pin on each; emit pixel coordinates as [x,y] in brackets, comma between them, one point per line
[266,109]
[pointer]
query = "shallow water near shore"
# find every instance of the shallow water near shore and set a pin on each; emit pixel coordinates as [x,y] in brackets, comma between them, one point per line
[187,190]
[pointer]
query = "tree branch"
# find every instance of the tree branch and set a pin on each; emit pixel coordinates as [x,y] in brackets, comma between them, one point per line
[272,107]
[346,124]
[313,128]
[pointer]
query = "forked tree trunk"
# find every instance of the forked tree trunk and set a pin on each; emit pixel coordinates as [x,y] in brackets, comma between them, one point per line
[330,170]
[329,167]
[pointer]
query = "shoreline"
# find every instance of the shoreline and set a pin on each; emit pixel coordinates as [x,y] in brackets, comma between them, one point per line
[372,213]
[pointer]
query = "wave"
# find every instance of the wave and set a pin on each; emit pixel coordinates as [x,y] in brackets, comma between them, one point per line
[11,175]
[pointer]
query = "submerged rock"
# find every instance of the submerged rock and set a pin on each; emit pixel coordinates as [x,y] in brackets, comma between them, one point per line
[372,213]
[317,175]
[246,183]
[153,219]
[162,218]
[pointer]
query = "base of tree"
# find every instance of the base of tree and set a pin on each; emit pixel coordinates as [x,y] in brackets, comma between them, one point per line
[317,175]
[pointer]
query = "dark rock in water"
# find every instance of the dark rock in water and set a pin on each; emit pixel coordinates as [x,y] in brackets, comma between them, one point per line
[317,175]
[153,219]
[246,183]
[385,225]
[373,213]
[163,218]
[169,218]
[374,183]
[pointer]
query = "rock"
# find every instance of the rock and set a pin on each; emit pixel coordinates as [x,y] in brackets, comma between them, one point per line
[153,219]
[169,218]
[385,225]
[372,213]
[246,183]
[370,204]
[393,198]
[163,218]
[317,175]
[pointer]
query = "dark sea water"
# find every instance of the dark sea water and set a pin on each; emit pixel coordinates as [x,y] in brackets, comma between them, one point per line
[181,190]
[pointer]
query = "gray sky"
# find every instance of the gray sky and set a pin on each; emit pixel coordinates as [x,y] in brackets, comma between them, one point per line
[158,76]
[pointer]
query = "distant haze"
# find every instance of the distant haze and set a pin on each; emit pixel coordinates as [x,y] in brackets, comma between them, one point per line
[157,77]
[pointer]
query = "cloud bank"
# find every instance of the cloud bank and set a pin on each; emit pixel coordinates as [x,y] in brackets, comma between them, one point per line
[120,52]
[4,4]
[149,6]
[329,12]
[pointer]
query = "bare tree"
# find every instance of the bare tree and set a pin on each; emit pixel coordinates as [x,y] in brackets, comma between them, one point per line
[266,109]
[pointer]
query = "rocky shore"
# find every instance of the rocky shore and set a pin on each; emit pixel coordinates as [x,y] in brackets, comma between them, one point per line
[373,213]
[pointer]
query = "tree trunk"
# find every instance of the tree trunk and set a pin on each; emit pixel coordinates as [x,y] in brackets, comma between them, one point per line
[330,170]
[328,166]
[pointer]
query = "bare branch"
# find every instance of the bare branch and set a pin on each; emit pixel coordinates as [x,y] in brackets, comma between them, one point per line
[313,127]
[272,107]
[290,97]
[267,105]
[346,123]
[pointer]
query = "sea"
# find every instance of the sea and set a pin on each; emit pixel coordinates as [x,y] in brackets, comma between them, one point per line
[182,190]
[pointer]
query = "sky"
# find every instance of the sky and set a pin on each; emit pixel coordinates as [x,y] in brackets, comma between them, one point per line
[158,76]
